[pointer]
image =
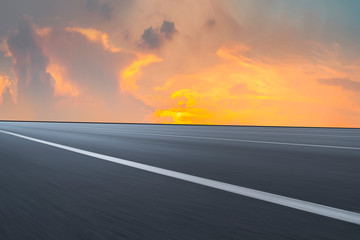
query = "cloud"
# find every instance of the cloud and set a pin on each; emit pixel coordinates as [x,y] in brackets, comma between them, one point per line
[7,98]
[233,62]
[95,36]
[252,89]
[85,58]
[344,83]
[69,73]
[154,38]
[168,28]
[29,65]
[5,87]
[151,38]
[131,74]
[104,9]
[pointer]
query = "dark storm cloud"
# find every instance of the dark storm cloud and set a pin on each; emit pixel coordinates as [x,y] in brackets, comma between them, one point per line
[154,38]
[104,9]
[29,62]
[168,28]
[344,83]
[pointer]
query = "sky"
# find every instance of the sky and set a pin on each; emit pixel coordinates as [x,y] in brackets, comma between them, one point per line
[242,62]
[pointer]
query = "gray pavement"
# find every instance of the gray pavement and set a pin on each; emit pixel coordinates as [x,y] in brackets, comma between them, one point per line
[51,193]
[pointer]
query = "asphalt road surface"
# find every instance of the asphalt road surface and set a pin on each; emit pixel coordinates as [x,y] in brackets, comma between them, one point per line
[127,181]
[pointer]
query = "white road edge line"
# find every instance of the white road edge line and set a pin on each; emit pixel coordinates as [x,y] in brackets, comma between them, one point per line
[222,139]
[242,140]
[335,213]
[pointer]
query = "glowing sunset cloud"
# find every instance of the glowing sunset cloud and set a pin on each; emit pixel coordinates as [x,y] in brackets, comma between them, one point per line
[262,92]
[61,87]
[95,36]
[231,62]
[130,75]
[5,85]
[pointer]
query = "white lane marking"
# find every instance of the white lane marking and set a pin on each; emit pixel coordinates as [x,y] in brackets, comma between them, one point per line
[242,132]
[233,140]
[101,128]
[335,213]
[222,139]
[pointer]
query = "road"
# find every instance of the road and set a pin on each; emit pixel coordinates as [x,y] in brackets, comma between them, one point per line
[130,181]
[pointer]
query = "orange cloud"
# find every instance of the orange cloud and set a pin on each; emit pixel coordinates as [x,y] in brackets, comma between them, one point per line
[273,92]
[95,36]
[43,31]
[131,74]
[5,85]
[62,87]
[217,70]
[184,110]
